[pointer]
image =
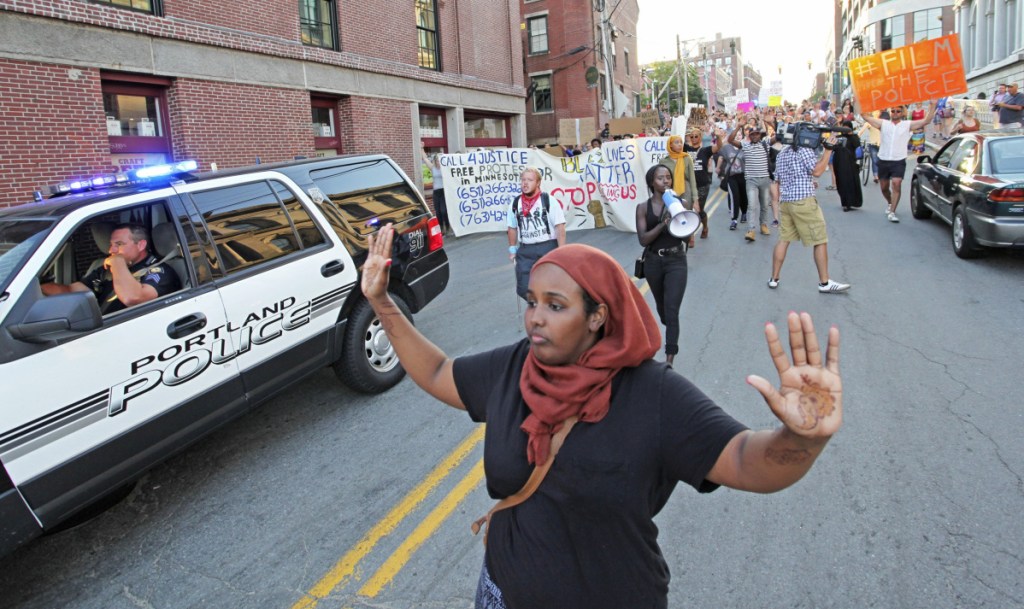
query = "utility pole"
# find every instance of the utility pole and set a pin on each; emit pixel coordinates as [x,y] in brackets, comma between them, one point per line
[610,80]
[679,79]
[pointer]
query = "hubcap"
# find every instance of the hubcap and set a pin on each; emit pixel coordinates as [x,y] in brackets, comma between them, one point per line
[958,231]
[379,352]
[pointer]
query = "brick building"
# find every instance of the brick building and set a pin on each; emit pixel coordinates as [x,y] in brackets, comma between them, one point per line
[562,40]
[92,86]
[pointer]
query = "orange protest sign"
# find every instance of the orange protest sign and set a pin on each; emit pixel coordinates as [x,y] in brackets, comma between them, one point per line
[922,71]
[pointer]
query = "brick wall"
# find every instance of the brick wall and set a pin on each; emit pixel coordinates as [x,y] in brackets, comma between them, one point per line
[52,127]
[232,124]
[374,36]
[373,125]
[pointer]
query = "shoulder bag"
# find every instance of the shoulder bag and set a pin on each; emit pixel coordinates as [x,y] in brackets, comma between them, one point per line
[532,484]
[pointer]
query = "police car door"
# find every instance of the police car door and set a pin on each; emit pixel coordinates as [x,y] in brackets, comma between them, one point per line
[85,414]
[283,275]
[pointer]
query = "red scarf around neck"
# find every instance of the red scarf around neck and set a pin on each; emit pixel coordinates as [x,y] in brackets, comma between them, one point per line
[529,202]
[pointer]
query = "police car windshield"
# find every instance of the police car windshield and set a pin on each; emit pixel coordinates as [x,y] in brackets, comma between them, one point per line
[18,239]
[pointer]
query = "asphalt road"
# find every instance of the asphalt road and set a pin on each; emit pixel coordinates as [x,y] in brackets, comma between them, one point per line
[326,498]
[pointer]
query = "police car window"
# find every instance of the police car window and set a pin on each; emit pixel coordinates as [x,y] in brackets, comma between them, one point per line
[18,239]
[309,233]
[248,224]
[382,195]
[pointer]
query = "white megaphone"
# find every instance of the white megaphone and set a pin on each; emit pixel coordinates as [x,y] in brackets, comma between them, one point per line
[684,222]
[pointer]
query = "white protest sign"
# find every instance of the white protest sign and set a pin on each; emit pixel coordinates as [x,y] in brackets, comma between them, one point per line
[599,188]
[731,101]
[743,95]
[775,87]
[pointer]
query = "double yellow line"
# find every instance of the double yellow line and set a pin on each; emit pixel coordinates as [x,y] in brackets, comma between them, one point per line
[341,574]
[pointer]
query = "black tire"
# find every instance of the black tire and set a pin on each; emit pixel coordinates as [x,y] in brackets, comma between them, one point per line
[964,244]
[368,362]
[917,208]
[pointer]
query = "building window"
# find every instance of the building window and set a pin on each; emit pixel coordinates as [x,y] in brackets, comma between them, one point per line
[604,88]
[625,60]
[317,23]
[542,99]
[137,122]
[326,139]
[426,31]
[927,24]
[537,31]
[146,6]
[486,131]
[893,33]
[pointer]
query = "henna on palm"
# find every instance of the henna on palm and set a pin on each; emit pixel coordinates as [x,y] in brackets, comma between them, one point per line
[815,403]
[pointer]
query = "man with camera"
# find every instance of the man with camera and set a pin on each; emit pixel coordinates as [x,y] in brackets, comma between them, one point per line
[801,217]
[892,151]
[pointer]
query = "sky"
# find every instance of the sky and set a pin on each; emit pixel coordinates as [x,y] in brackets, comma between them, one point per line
[770,36]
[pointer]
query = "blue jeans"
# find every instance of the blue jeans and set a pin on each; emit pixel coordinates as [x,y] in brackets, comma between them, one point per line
[873,152]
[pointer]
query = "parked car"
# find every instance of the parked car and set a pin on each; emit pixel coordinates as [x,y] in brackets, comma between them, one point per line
[268,261]
[976,184]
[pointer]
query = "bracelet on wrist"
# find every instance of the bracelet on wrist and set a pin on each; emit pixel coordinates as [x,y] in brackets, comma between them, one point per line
[513,249]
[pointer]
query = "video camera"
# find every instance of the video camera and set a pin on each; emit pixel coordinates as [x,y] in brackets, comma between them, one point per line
[808,135]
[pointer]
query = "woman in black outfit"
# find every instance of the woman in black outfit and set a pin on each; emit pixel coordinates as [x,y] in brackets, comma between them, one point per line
[847,172]
[665,263]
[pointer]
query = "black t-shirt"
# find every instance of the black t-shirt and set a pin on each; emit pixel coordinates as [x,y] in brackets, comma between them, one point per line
[701,163]
[586,539]
[162,277]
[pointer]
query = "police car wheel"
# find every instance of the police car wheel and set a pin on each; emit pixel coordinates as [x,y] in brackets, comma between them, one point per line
[368,362]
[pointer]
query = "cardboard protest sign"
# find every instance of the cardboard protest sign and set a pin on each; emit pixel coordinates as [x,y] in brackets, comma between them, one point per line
[651,119]
[745,107]
[730,103]
[774,100]
[624,126]
[600,188]
[576,131]
[922,71]
[743,95]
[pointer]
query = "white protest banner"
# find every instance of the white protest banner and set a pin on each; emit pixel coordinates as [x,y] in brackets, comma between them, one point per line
[599,188]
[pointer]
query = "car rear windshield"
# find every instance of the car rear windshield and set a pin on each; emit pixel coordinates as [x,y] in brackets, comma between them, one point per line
[18,239]
[1007,155]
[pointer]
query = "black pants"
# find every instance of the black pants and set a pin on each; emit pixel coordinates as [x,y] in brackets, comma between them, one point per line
[738,194]
[441,210]
[526,257]
[667,277]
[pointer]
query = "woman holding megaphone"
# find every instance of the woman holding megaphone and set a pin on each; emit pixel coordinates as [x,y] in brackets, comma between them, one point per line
[663,225]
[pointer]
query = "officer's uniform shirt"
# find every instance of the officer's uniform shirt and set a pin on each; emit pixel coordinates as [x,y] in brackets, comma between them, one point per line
[163,279]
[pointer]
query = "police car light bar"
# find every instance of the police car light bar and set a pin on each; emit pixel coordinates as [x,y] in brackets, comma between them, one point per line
[115,179]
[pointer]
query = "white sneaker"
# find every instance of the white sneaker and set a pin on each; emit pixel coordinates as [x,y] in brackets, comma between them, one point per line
[833,287]
[892,217]
[773,283]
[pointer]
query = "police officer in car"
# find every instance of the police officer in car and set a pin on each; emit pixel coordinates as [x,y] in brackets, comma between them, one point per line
[130,276]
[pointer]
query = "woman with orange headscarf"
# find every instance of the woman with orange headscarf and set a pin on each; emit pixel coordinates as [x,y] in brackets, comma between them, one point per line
[585,536]
[684,178]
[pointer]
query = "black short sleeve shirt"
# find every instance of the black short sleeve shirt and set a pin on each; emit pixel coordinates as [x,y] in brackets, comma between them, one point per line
[586,538]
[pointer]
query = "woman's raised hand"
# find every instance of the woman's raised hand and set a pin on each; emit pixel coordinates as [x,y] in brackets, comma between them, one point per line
[809,400]
[378,264]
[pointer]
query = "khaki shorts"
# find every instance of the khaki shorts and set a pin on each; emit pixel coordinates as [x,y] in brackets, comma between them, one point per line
[803,221]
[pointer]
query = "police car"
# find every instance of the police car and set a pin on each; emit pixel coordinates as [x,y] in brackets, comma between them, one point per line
[264,268]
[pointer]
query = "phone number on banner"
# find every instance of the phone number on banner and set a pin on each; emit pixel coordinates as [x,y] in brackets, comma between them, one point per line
[484,217]
[483,203]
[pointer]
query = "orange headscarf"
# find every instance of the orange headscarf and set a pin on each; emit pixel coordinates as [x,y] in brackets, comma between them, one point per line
[584,388]
[679,172]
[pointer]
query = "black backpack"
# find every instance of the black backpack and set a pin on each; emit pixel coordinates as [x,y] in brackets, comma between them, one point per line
[545,203]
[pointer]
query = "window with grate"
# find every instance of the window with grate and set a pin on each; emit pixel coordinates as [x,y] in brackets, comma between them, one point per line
[542,100]
[318,23]
[426,30]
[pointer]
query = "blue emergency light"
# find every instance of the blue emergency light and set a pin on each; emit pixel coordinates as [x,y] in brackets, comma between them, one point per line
[136,176]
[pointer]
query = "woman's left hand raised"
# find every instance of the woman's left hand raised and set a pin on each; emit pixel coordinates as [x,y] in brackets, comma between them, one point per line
[809,400]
